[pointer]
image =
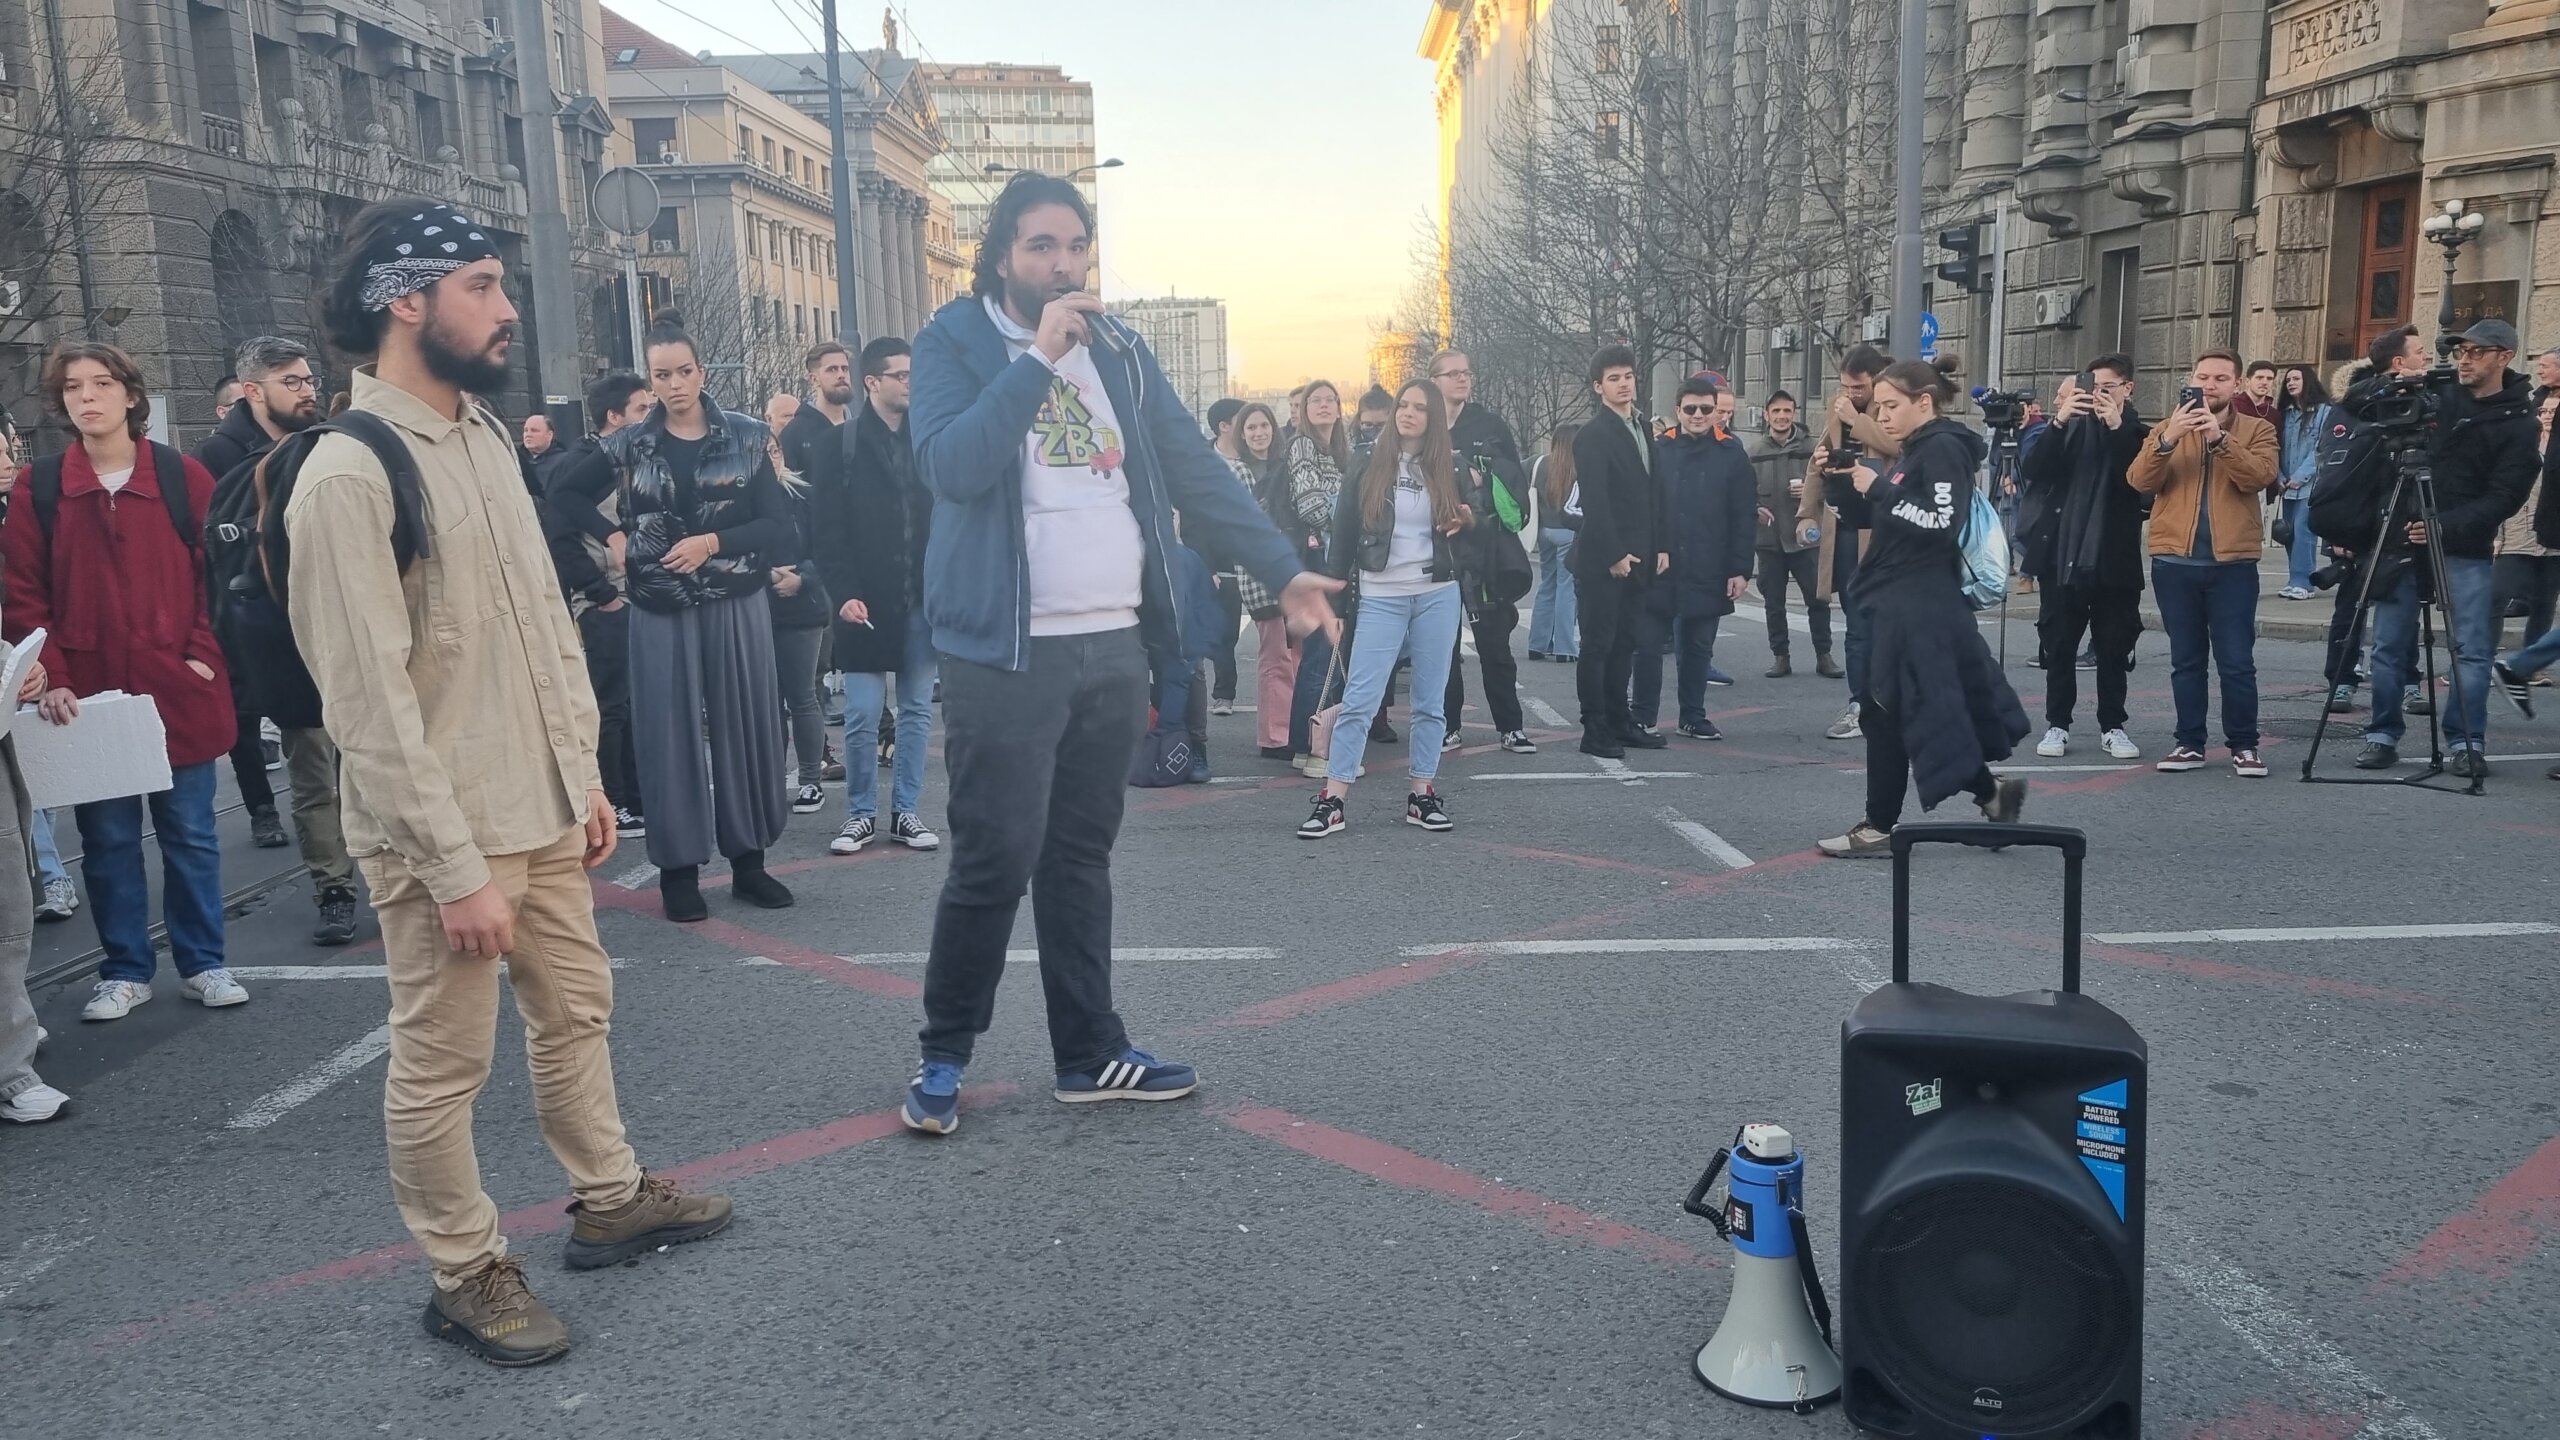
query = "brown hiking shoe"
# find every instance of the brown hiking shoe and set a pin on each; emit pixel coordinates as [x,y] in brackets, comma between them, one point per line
[494,1316]
[659,1216]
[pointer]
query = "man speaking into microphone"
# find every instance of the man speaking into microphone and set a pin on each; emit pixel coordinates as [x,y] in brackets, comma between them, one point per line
[1057,456]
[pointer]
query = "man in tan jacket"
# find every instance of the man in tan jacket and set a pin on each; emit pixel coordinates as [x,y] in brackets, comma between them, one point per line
[2204,466]
[453,682]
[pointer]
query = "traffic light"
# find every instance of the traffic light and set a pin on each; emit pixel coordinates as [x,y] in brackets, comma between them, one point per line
[1966,270]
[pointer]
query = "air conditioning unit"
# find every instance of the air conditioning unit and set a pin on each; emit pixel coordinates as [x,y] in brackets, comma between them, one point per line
[1785,337]
[1875,328]
[13,298]
[667,155]
[662,247]
[2058,309]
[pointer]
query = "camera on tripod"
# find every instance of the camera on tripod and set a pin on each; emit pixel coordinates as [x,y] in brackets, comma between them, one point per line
[2004,409]
[2406,406]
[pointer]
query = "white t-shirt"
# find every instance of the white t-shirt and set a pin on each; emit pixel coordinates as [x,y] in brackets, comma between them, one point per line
[115,480]
[1087,557]
[1408,569]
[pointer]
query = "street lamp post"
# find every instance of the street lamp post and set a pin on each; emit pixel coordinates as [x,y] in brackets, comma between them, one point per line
[2451,229]
[998,167]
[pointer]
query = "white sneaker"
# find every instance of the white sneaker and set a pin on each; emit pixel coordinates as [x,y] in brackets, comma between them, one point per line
[115,999]
[1222,707]
[856,833]
[59,901]
[215,988]
[38,1102]
[2055,744]
[2120,746]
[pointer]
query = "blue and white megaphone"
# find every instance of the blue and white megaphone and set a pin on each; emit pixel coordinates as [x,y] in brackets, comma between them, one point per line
[1774,1347]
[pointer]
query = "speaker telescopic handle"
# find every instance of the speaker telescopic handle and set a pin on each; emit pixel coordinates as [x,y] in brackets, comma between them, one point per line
[2073,844]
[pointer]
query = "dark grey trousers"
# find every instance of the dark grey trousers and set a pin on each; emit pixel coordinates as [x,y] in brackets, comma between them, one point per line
[1039,768]
[17,937]
[712,663]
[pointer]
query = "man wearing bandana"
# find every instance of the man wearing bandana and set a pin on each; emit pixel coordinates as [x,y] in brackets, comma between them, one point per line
[467,732]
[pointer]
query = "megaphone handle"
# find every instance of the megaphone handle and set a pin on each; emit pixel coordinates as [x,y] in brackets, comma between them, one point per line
[1697,1204]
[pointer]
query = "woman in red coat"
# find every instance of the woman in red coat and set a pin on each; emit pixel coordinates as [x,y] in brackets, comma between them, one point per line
[118,585]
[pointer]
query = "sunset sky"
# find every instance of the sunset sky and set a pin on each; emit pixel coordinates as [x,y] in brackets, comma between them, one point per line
[1279,157]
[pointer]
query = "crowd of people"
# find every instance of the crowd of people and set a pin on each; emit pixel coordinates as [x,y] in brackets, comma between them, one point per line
[486,660]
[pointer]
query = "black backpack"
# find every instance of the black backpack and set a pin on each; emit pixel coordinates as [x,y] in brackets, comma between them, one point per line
[2353,482]
[249,560]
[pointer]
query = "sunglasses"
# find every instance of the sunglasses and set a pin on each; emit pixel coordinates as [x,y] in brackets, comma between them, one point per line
[1697,409]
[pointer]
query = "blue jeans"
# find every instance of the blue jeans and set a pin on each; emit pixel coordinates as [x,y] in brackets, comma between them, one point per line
[190,877]
[1306,697]
[2303,555]
[1554,628]
[2540,655]
[1853,629]
[48,855]
[2395,649]
[2210,613]
[1421,627]
[863,697]
[1693,642]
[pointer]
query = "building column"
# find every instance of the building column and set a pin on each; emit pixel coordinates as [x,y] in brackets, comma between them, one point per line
[871,307]
[911,275]
[899,316]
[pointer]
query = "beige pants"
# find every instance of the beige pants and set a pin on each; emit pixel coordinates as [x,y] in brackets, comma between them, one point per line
[444,1025]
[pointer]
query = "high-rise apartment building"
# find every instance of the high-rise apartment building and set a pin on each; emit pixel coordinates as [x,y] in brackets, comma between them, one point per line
[1190,341]
[1028,117]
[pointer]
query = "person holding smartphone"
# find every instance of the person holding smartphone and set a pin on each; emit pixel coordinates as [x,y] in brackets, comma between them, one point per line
[2206,466]
[2080,540]
[1849,435]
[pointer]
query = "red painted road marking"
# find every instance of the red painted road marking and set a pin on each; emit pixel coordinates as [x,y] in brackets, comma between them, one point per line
[2251,975]
[1587,862]
[2262,1421]
[551,1216]
[1408,1171]
[2503,1228]
[1183,798]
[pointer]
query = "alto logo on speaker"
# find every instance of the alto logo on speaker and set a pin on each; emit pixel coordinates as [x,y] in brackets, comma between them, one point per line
[1989,1401]
[1924,1097]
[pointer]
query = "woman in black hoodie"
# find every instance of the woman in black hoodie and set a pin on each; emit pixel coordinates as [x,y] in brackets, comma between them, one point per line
[1937,709]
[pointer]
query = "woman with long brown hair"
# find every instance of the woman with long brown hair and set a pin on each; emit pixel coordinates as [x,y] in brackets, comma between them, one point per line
[1263,467]
[1319,453]
[1554,629]
[1392,528]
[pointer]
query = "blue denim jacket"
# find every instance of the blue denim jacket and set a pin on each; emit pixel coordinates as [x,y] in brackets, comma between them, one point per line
[971,407]
[2300,463]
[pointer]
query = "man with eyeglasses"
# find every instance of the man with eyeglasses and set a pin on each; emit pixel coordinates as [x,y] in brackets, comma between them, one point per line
[2485,459]
[280,395]
[1486,447]
[2080,540]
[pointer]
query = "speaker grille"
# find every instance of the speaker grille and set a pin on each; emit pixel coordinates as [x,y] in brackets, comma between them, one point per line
[1978,1292]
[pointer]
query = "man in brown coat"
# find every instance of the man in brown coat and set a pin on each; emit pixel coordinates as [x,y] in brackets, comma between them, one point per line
[2205,466]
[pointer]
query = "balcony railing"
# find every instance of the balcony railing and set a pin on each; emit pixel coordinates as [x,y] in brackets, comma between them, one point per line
[223,136]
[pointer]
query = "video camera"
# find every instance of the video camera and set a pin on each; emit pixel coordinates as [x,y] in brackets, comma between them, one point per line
[2003,409]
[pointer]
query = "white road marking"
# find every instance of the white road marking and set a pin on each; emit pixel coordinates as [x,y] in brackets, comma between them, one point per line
[759,960]
[1795,618]
[2285,1341]
[1546,713]
[36,1255]
[275,1105]
[637,877]
[307,972]
[1032,957]
[2326,932]
[1622,774]
[2058,769]
[1703,840]
[1717,945]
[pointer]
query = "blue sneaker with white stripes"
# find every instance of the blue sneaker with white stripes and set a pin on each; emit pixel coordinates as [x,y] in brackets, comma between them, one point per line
[933,1099]
[1136,1075]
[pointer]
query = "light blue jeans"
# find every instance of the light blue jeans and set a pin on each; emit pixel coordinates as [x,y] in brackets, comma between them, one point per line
[2303,555]
[48,855]
[863,697]
[1422,628]
[1554,626]
[2395,657]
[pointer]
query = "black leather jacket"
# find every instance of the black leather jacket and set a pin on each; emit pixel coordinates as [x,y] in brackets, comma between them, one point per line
[734,496]
[1357,547]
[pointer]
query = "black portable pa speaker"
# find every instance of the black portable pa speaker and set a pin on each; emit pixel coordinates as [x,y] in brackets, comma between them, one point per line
[1991,1180]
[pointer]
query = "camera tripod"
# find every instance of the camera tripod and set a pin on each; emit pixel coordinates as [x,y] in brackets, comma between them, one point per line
[2415,477]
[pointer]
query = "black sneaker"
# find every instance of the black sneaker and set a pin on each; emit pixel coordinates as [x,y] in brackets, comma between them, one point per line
[2088,660]
[908,829]
[1423,808]
[857,832]
[1277,752]
[1518,743]
[2519,688]
[629,824]
[2376,756]
[1701,729]
[808,800]
[1643,737]
[1451,741]
[1325,820]
[1382,733]
[1602,744]
[266,829]
[831,767]
[337,925]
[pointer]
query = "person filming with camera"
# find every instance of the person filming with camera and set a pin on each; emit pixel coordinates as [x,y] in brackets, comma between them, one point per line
[2205,467]
[2080,540]
[2481,448]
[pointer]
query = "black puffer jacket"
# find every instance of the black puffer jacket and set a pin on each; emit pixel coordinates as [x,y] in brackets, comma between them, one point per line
[2484,453]
[236,441]
[734,496]
[1710,495]
[1357,547]
[2546,516]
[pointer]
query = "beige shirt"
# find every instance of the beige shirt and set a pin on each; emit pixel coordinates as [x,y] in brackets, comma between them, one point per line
[457,693]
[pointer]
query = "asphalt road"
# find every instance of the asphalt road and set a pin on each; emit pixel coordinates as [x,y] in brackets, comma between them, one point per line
[1431,1183]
